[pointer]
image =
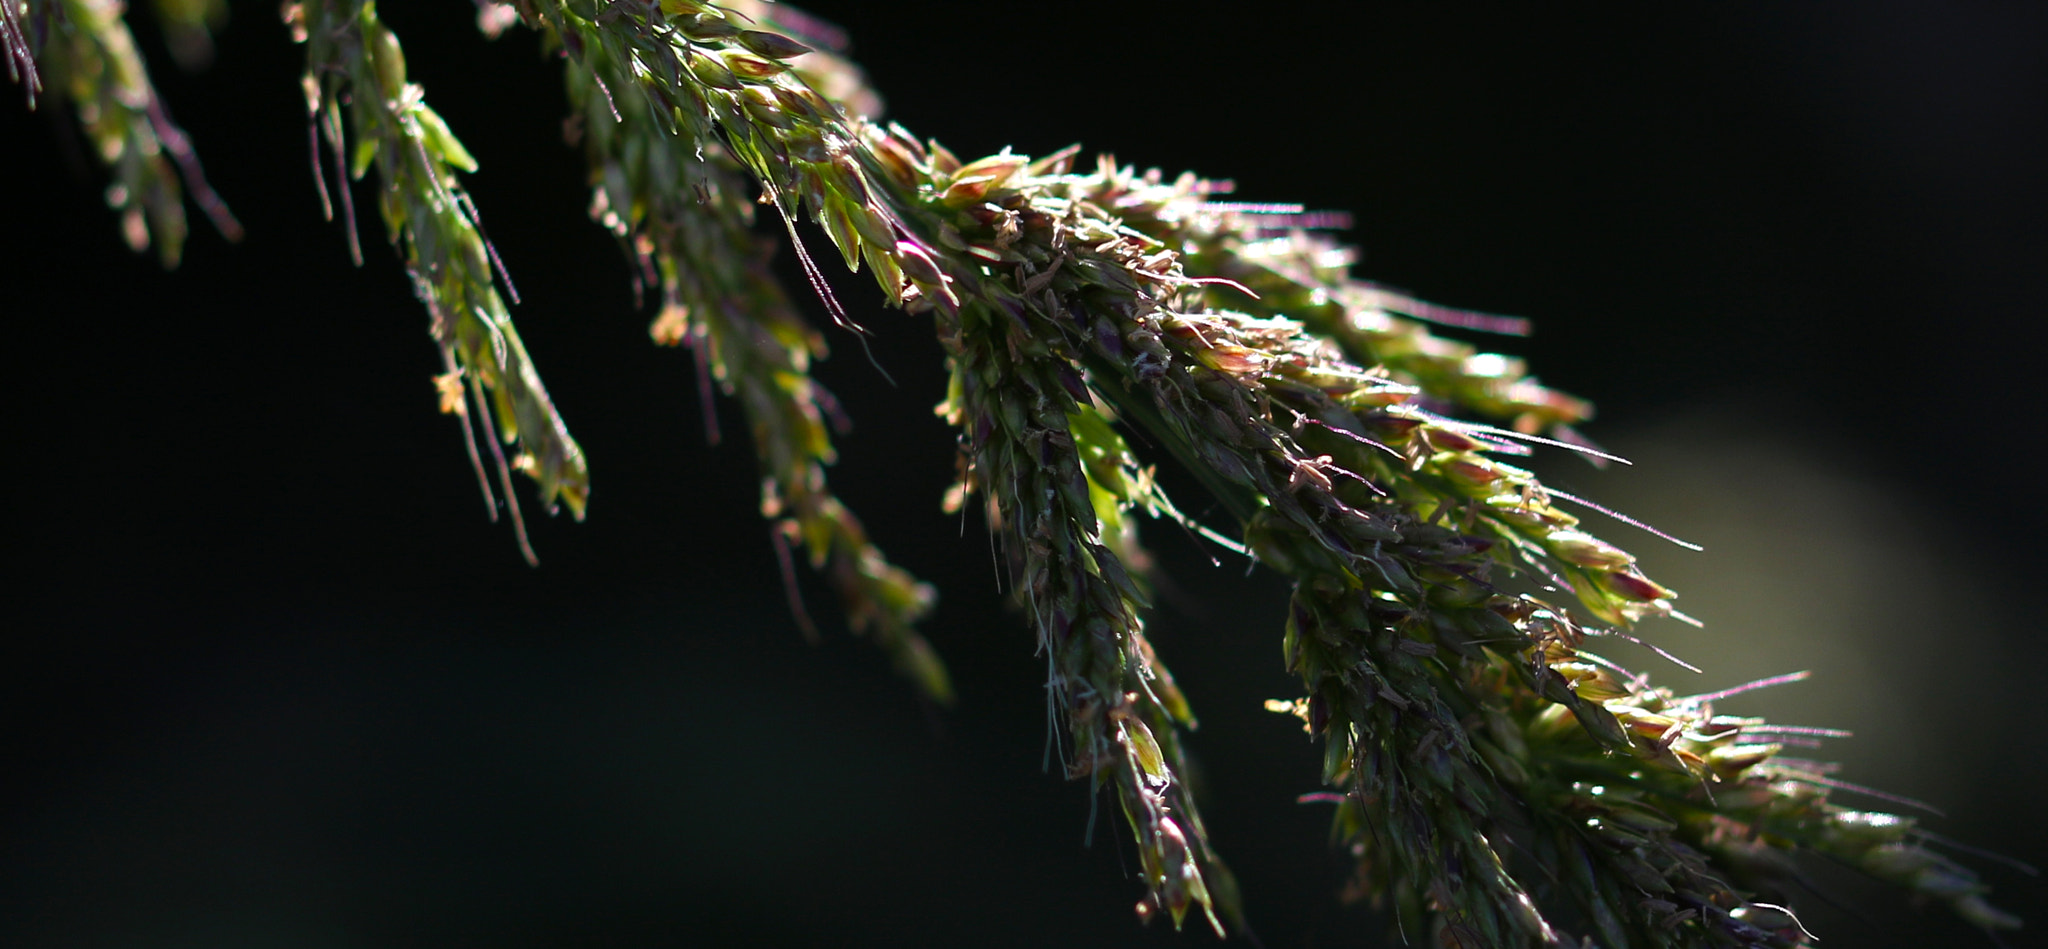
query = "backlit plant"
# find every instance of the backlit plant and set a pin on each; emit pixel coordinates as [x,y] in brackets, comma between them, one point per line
[1497,784]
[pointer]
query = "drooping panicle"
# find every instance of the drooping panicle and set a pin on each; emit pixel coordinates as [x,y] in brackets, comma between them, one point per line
[683,211]
[1058,484]
[362,104]
[15,47]
[189,27]
[1461,715]
[1498,784]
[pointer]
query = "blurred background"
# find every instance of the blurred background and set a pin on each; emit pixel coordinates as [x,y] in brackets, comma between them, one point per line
[275,681]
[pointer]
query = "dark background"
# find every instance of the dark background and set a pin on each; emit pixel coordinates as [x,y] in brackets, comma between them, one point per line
[273,680]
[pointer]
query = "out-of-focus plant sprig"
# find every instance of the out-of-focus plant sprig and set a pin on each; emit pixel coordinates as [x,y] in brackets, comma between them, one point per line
[14,44]
[356,89]
[189,26]
[89,56]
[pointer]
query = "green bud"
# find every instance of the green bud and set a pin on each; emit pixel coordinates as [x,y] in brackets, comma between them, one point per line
[1587,551]
[834,217]
[805,144]
[388,59]
[1503,764]
[709,70]
[764,107]
[1591,682]
[1145,751]
[441,141]
[1866,828]
[707,26]
[883,267]
[1230,358]
[1642,721]
[973,181]
[786,102]
[1474,473]
[898,163]
[1528,513]
[1364,398]
[750,67]
[1730,761]
[772,45]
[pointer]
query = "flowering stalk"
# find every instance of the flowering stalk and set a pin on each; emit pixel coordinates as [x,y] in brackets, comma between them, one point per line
[1497,783]
[1459,714]
[90,57]
[683,213]
[723,85]
[1057,479]
[355,74]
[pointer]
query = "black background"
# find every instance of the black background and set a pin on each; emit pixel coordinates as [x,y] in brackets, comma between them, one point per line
[273,680]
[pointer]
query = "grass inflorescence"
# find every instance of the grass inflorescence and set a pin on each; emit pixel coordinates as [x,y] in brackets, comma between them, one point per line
[361,105]
[1496,783]
[1459,714]
[683,213]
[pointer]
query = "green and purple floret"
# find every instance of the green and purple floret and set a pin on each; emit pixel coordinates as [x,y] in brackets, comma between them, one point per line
[1469,739]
